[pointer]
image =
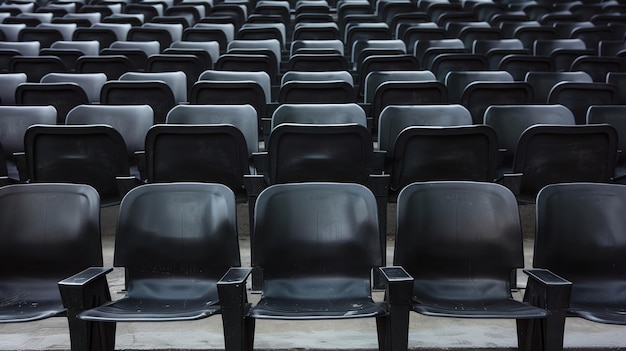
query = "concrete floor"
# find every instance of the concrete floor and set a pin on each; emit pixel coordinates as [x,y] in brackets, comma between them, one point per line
[426,333]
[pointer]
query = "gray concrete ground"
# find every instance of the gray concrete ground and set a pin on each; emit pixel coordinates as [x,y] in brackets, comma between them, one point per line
[426,333]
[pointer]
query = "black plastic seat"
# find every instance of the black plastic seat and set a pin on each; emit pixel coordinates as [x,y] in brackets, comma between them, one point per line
[42,245]
[188,64]
[543,82]
[461,242]
[321,152]
[248,62]
[598,67]
[114,66]
[131,121]
[290,242]
[614,116]
[444,63]
[395,118]
[549,154]
[14,120]
[575,222]
[177,153]
[157,94]
[510,121]
[579,96]
[63,96]
[189,241]
[478,96]
[36,67]
[83,154]
[91,83]
[422,153]
[518,65]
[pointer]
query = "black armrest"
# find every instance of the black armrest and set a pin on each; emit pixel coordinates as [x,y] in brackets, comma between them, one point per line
[234,301]
[378,161]
[140,160]
[501,153]
[266,127]
[554,289]
[254,184]
[76,291]
[80,292]
[399,284]
[552,293]
[261,162]
[126,183]
[513,181]
[379,184]
[22,168]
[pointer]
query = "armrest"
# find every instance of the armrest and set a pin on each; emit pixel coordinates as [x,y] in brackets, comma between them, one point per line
[379,184]
[399,284]
[501,153]
[261,163]
[140,160]
[254,184]
[231,288]
[513,181]
[86,289]
[20,162]
[378,161]
[547,290]
[266,127]
[126,184]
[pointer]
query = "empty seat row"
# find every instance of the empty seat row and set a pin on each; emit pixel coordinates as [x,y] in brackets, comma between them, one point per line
[198,273]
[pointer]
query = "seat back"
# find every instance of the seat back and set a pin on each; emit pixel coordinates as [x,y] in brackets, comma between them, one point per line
[459,240]
[580,237]
[244,117]
[337,153]
[189,234]
[157,94]
[319,114]
[300,255]
[510,121]
[131,121]
[63,96]
[215,153]
[394,119]
[444,153]
[478,96]
[51,232]
[83,154]
[579,96]
[548,154]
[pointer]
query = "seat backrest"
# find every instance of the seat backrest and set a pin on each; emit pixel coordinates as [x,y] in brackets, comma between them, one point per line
[84,154]
[543,82]
[460,240]
[443,153]
[393,119]
[131,121]
[312,152]
[8,85]
[374,79]
[190,230]
[330,91]
[176,81]
[478,96]
[457,81]
[52,231]
[444,63]
[14,120]
[157,94]
[263,79]
[111,65]
[300,255]
[580,237]
[91,83]
[579,96]
[321,113]
[548,154]
[510,121]
[215,153]
[63,96]
[36,67]
[615,116]
[243,117]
